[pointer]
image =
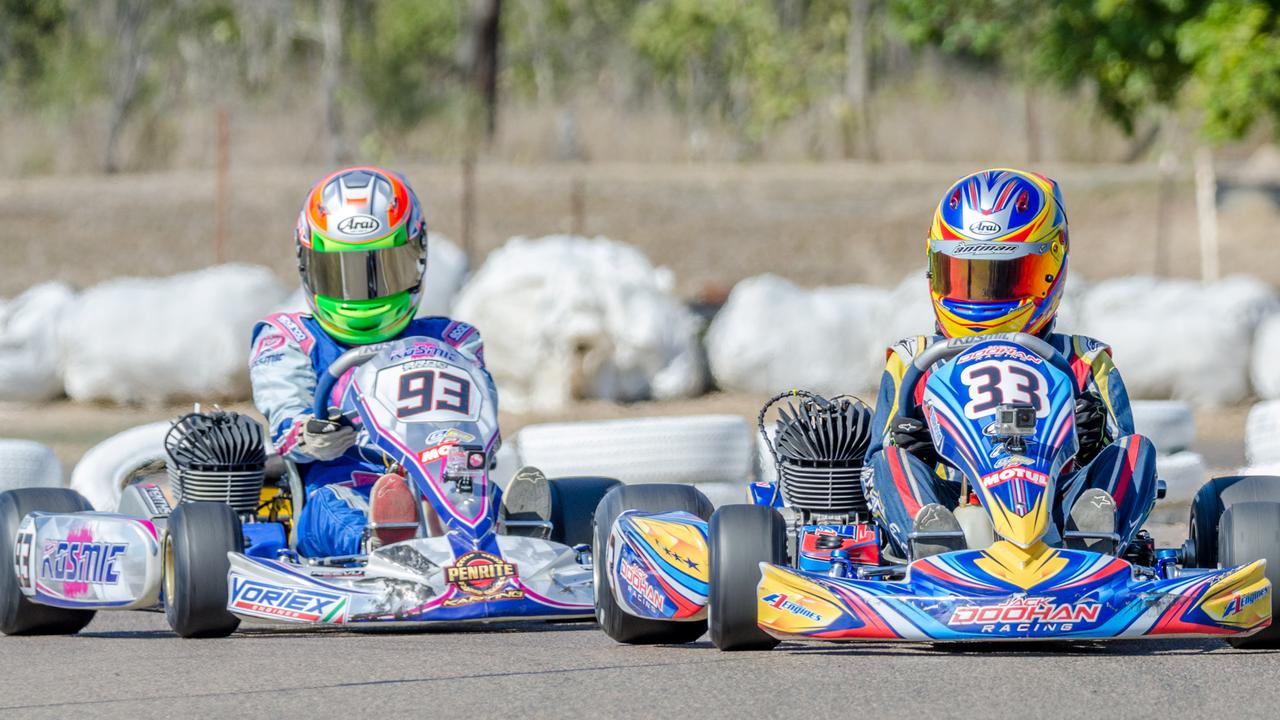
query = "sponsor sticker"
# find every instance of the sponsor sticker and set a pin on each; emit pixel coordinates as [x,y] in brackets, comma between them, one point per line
[1001,351]
[1015,472]
[253,597]
[77,561]
[793,605]
[359,225]
[436,452]
[637,585]
[482,577]
[449,435]
[985,227]
[1240,601]
[1026,615]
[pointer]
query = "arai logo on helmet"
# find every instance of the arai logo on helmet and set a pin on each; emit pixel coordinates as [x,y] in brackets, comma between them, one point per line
[982,227]
[359,225]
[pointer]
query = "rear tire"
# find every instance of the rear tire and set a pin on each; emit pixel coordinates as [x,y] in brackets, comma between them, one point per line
[740,538]
[18,615]
[196,566]
[1251,531]
[573,507]
[615,622]
[1210,502]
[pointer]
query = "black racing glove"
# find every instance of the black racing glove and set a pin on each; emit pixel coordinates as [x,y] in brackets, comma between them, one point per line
[1091,427]
[913,436]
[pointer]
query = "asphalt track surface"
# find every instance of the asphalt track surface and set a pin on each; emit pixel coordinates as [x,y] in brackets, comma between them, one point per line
[129,665]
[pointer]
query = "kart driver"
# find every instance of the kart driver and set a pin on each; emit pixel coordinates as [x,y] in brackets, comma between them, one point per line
[361,242]
[997,251]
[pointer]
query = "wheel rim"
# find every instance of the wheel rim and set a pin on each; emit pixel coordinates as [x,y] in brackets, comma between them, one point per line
[170,582]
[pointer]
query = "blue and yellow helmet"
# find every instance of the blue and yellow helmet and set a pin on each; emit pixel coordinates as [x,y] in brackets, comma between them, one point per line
[998,254]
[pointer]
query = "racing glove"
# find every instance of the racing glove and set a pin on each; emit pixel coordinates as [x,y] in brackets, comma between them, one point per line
[324,440]
[913,436]
[1091,427]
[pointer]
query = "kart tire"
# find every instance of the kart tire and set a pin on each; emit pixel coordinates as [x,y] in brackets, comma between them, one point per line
[1210,502]
[740,538]
[1251,531]
[27,464]
[615,622]
[196,566]
[573,507]
[18,615]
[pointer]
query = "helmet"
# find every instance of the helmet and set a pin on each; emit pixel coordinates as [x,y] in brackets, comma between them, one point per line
[998,254]
[362,253]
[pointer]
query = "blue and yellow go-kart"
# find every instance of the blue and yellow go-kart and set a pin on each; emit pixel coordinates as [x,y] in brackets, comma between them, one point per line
[806,561]
[227,550]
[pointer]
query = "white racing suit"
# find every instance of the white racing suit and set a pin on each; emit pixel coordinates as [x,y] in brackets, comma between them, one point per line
[289,350]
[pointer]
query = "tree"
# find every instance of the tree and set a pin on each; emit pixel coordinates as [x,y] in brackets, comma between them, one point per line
[1233,48]
[1136,54]
[722,59]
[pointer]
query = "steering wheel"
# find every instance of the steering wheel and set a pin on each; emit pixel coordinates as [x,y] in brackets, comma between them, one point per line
[324,383]
[952,347]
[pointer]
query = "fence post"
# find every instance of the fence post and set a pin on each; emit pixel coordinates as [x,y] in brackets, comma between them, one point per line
[469,205]
[577,206]
[222,186]
[1207,214]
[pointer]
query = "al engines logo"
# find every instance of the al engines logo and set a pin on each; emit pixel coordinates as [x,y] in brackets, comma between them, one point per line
[482,577]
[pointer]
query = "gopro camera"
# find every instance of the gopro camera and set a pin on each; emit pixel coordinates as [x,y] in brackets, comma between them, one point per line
[1013,421]
[465,464]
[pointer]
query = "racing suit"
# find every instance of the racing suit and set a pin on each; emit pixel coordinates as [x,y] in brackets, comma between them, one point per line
[289,350]
[1118,461]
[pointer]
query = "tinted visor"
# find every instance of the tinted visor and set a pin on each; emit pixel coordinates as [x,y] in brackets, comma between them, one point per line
[357,275]
[970,271]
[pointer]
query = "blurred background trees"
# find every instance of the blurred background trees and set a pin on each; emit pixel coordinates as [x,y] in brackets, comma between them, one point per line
[125,80]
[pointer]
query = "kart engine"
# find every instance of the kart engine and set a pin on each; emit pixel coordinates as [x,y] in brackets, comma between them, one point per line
[818,448]
[217,457]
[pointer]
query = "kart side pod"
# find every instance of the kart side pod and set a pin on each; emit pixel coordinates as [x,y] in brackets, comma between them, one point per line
[658,565]
[89,560]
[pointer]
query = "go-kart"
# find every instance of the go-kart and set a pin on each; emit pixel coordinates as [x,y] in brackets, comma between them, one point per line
[805,559]
[227,549]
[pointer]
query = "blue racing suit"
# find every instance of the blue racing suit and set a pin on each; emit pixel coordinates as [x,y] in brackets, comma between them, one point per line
[289,350]
[1120,461]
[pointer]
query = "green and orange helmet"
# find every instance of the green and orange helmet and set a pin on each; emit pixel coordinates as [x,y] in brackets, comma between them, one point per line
[362,253]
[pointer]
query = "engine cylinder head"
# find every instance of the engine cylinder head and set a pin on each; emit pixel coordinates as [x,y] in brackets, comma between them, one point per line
[217,457]
[818,446]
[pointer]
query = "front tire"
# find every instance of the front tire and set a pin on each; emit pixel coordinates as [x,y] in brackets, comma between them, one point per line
[1213,498]
[18,615]
[615,622]
[1251,531]
[741,537]
[196,566]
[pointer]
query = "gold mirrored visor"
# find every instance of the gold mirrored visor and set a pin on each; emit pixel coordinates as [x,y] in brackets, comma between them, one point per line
[363,275]
[976,271]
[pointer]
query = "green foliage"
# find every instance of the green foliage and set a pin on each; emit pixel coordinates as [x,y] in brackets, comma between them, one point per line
[404,63]
[1126,49]
[723,58]
[1234,47]
[1137,54]
[29,32]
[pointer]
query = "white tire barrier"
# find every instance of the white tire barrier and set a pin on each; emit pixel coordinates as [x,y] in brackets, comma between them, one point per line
[1262,434]
[102,472]
[1264,370]
[698,449]
[136,340]
[1183,474]
[1169,424]
[568,318]
[27,463]
[29,343]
